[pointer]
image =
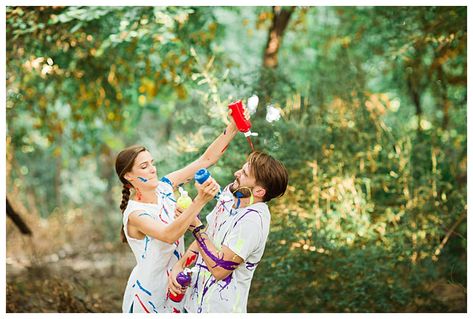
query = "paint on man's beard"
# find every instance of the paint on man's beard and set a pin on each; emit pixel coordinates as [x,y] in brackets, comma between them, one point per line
[242,192]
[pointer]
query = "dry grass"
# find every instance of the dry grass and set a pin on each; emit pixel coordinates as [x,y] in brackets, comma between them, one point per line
[66,266]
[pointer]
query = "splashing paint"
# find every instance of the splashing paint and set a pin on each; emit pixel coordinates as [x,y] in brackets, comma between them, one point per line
[251,143]
[219,262]
[144,180]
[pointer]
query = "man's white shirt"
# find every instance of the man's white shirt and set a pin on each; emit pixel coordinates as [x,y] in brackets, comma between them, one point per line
[244,231]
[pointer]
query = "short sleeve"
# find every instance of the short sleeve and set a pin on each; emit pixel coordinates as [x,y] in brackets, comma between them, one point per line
[246,234]
[166,181]
[165,190]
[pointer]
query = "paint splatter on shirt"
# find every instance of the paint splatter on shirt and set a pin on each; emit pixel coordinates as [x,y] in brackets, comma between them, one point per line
[244,231]
[146,290]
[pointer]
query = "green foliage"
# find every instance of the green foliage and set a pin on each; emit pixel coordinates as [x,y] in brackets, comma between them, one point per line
[372,131]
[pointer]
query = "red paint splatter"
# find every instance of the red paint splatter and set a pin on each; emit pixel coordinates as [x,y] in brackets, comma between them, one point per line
[225,148]
[251,144]
[162,219]
[190,260]
[142,305]
[174,310]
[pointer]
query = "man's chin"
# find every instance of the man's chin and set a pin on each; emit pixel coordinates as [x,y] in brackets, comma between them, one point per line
[233,186]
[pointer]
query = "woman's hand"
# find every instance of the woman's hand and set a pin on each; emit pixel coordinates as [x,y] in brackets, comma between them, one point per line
[206,191]
[174,287]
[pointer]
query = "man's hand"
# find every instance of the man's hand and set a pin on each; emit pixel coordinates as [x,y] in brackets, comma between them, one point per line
[246,113]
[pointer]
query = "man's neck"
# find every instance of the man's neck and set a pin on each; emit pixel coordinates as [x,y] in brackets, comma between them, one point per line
[245,202]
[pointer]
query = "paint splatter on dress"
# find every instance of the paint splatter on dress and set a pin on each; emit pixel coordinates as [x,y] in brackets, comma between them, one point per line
[245,232]
[146,290]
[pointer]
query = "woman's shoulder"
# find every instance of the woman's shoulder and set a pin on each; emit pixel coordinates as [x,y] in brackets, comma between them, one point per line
[134,206]
[165,190]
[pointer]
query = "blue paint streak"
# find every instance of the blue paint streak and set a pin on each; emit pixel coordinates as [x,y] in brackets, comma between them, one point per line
[167,195]
[147,240]
[154,307]
[146,214]
[167,181]
[176,253]
[144,180]
[146,291]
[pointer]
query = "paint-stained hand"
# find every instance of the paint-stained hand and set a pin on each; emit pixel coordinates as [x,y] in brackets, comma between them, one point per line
[207,190]
[174,287]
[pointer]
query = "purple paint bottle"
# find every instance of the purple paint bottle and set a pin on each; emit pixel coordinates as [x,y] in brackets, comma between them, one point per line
[184,279]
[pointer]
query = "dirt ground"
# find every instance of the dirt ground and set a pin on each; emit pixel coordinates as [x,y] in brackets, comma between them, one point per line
[77,283]
[66,266]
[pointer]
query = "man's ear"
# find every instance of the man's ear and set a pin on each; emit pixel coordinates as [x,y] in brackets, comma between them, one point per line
[259,191]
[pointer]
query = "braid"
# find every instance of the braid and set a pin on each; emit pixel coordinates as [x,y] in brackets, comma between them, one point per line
[124,164]
[125,198]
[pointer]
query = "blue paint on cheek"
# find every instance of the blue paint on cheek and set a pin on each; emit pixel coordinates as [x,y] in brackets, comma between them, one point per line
[144,180]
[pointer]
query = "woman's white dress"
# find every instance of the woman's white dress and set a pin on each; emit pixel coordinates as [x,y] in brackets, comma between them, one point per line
[146,290]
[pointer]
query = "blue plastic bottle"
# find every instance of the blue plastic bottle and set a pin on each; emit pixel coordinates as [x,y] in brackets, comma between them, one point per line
[201,176]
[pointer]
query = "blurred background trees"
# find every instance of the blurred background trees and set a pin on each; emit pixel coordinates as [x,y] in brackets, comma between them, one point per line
[366,106]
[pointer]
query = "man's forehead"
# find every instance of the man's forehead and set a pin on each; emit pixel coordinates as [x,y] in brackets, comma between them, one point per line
[246,168]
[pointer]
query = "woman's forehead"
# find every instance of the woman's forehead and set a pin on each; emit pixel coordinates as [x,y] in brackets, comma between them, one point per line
[142,157]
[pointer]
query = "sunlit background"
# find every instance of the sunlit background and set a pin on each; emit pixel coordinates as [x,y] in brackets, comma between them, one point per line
[366,106]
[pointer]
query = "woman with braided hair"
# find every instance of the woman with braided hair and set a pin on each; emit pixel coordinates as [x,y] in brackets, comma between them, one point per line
[150,227]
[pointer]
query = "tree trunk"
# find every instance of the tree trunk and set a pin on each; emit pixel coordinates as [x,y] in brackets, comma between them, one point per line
[279,24]
[413,88]
[281,18]
[17,220]
[444,96]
